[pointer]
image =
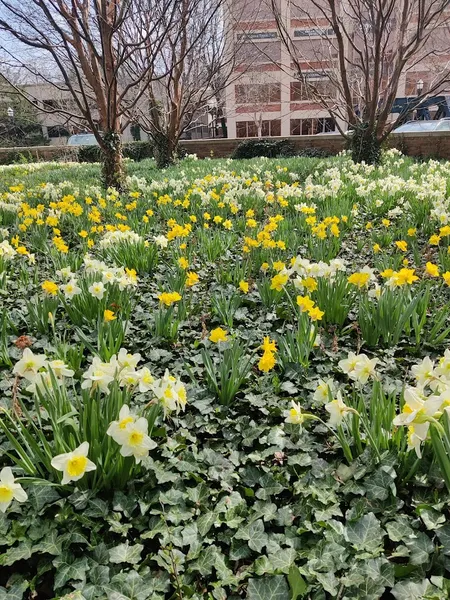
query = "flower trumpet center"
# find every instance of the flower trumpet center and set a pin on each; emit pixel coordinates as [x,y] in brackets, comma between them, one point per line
[6,493]
[135,438]
[77,466]
[124,422]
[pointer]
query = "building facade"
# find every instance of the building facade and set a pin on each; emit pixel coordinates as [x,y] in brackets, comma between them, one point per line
[265,97]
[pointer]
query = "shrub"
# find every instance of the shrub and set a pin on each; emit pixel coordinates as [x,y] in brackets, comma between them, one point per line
[271,148]
[314,153]
[134,150]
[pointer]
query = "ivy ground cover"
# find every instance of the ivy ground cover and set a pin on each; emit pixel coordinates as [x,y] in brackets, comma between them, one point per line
[231,381]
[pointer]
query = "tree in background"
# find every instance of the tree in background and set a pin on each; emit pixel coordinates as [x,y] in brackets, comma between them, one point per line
[89,44]
[363,48]
[19,122]
[194,67]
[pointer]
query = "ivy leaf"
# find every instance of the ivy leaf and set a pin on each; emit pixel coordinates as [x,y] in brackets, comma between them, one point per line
[365,533]
[15,592]
[410,590]
[50,544]
[268,588]
[40,495]
[443,534]
[204,562]
[205,522]
[22,551]
[257,536]
[400,529]
[126,553]
[420,547]
[68,568]
[282,560]
[378,486]
[129,586]
[297,583]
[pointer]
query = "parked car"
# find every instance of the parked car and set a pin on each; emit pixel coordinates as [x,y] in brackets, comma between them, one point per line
[423,126]
[82,139]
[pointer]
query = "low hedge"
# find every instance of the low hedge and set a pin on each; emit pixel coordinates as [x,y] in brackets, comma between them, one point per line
[134,150]
[269,147]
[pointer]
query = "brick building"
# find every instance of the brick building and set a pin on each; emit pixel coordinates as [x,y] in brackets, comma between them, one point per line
[266,99]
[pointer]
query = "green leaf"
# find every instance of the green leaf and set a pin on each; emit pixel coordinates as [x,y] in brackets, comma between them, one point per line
[15,592]
[129,586]
[40,495]
[268,588]
[124,553]
[399,529]
[205,522]
[296,583]
[50,544]
[410,590]
[69,568]
[282,560]
[257,536]
[365,533]
[443,534]
[22,551]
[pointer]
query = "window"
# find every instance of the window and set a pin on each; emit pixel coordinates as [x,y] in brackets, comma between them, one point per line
[301,91]
[312,126]
[313,32]
[271,128]
[258,93]
[257,35]
[250,128]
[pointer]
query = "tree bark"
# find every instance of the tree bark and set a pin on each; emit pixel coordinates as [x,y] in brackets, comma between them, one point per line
[113,170]
[165,150]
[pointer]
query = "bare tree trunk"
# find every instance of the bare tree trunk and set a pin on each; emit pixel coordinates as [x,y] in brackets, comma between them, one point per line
[165,150]
[113,171]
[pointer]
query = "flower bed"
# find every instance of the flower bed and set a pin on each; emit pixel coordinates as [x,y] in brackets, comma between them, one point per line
[231,381]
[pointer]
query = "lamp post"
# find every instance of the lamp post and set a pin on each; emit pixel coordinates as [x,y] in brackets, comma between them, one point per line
[419,88]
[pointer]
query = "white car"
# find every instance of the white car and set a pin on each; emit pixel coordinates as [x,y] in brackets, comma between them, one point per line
[423,126]
[82,139]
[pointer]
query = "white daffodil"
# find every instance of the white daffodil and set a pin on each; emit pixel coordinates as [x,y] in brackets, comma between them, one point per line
[9,490]
[135,441]
[128,378]
[116,428]
[171,393]
[347,365]
[294,414]
[65,273]
[29,364]
[423,372]
[109,276]
[71,289]
[97,289]
[364,369]
[60,369]
[146,380]
[99,375]
[125,360]
[161,241]
[322,391]
[73,464]
[417,433]
[443,368]
[417,408]
[41,381]
[337,409]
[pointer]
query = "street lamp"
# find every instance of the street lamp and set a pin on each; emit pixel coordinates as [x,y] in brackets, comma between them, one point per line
[419,87]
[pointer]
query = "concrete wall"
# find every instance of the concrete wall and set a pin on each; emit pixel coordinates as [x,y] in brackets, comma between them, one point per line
[433,145]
